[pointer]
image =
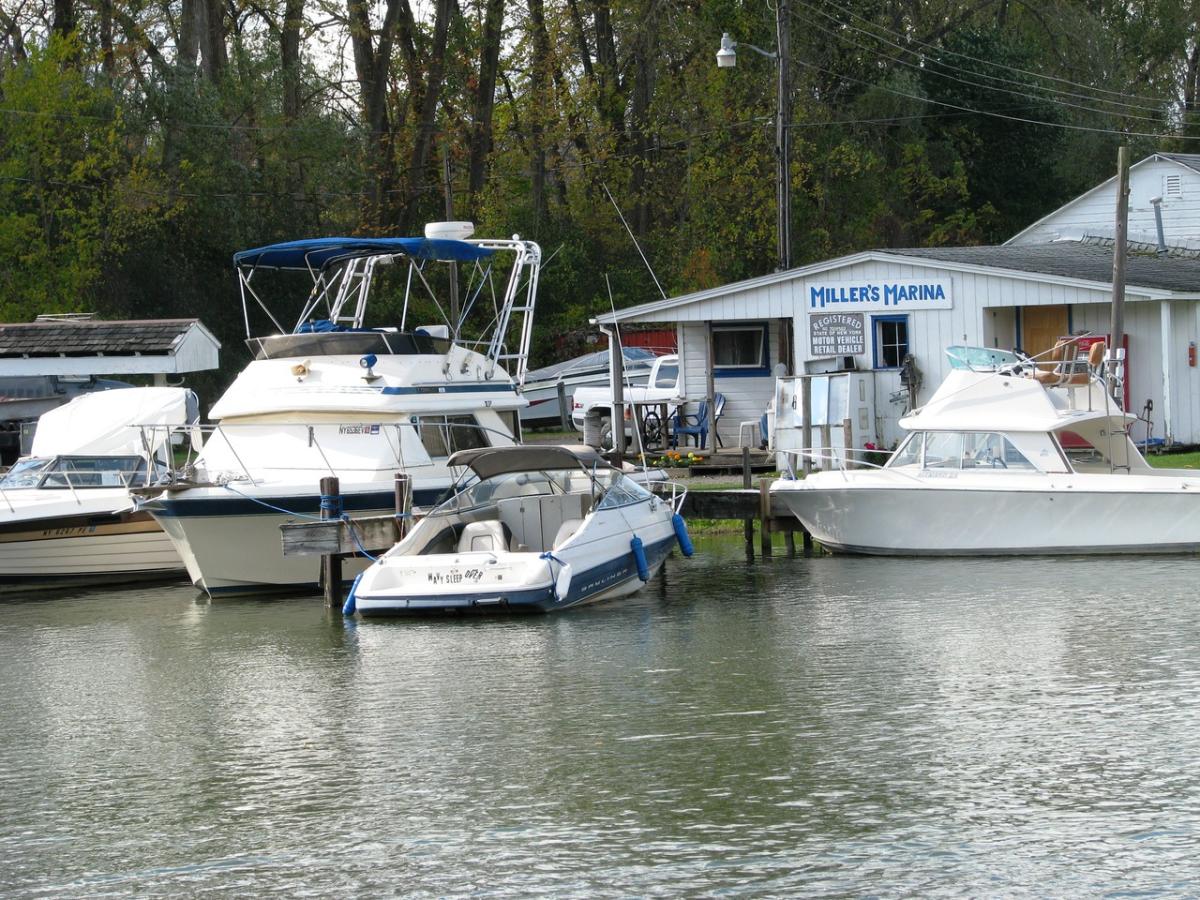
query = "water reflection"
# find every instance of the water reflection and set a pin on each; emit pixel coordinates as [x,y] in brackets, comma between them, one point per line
[788,726]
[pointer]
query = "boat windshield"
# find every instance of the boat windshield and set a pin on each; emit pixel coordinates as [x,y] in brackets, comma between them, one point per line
[980,358]
[523,484]
[25,473]
[77,472]
[622,492]
[960,450]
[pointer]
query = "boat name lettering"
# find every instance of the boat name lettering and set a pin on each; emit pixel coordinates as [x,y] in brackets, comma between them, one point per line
[885,295]
[69,532]
[455,576]
[358,429]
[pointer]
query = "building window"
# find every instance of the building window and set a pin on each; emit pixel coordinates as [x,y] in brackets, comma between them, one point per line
[1172,186]
[740,346]
[891,341]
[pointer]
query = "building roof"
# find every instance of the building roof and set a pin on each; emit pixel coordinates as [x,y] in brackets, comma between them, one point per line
[90,337]
[78,346]
[1089,263]
[1191,160]
[1083,261]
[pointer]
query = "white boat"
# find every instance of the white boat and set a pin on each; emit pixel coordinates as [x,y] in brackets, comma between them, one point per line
[590,370]
[333,396]
[1005,459]
[537,528]
[65,511]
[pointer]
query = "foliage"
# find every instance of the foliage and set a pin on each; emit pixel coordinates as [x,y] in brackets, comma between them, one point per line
[139,153]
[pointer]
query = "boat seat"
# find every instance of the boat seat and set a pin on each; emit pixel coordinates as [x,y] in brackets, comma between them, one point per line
[483,537]
[565,531]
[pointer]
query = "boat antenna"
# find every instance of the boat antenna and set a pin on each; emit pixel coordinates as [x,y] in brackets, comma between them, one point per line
[628,382]
[638,246]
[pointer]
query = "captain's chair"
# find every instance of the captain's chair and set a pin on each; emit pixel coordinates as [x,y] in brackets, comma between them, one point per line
[483,537]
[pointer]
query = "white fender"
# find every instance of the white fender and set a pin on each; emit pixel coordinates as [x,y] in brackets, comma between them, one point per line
[562,584]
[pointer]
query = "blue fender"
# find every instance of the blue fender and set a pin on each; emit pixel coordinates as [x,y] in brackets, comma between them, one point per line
[639,557]
[349,607]
[681,535]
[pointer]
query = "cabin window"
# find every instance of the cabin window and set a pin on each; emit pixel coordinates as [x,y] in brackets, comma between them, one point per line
[908,453]
[443,435]
[740,346]
[943,450]
[891,340]
[960,450]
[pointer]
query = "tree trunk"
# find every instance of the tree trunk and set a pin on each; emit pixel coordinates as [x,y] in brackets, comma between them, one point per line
[485,96]
[107,61]
[426,130]
[371,67]
[214,58]
[289,57]
[64,17]
[540,88]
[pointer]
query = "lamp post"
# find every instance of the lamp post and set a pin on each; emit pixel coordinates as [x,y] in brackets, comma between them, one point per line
[727,59]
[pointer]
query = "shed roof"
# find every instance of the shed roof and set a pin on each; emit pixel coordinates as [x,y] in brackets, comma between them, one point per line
[71,346]
[1084,261]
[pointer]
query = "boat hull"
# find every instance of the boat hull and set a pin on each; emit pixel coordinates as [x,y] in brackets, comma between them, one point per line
[616,577]
[92,548]
[1069,515]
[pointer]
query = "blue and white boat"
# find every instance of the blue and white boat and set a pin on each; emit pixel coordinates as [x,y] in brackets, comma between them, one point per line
[534,528]
[342,388]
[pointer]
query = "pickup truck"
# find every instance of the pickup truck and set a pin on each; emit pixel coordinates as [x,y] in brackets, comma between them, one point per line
[661,385]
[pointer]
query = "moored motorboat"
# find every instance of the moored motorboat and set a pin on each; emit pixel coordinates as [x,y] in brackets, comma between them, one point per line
[535,528]
[65,511]
[1005,458]
[334,395]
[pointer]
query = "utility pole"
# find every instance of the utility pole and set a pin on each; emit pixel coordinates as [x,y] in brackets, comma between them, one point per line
[1116,328]
[783,118]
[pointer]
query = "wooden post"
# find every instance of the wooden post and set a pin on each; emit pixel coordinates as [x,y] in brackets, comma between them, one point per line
[331,563]
[806,427]
[848,443]
[789,540]
[564,414]
[747,524]
[764,515]
[403,493]
[826,447]
[617,355]
[711,390]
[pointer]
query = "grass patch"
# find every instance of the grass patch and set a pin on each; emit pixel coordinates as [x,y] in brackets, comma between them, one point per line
[1175,460]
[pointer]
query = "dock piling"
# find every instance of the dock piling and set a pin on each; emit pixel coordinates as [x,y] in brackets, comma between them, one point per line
[331,563]
[764,516]
[747,524]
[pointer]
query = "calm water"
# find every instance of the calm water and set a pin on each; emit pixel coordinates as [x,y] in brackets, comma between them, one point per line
[795,727]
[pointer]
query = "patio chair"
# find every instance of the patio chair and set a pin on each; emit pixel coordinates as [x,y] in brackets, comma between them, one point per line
[696,424]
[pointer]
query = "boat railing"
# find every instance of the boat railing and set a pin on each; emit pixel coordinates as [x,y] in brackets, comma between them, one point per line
[184,471]
[838,459]
[674,492]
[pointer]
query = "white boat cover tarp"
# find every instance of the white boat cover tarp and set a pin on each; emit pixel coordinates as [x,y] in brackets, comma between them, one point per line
[105,423]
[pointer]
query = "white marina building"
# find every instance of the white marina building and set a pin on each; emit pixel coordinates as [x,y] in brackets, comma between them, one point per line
[888,315]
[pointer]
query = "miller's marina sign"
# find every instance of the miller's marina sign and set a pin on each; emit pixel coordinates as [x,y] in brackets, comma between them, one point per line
[878,296]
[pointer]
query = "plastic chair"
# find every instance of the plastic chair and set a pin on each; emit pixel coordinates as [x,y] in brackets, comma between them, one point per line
[696,424]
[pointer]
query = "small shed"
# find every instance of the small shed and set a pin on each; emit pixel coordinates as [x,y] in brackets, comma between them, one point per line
[82,346]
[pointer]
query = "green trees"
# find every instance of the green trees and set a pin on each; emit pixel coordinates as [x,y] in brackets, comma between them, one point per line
[141,144]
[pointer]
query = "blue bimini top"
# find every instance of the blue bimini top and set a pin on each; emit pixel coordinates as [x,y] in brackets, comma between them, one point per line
[316,253]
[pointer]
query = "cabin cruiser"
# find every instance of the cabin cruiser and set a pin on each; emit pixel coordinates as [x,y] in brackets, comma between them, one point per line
[1005,458]
[65,510]
[332,395]
[534,528]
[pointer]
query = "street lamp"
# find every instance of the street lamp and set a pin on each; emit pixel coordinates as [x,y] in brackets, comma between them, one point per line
[727,59]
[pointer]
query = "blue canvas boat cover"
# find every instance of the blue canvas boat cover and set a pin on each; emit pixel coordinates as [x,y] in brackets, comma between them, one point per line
[315,253]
